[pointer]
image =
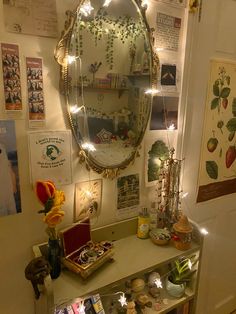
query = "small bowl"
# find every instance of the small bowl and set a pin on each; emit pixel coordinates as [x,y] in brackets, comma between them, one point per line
[160,236]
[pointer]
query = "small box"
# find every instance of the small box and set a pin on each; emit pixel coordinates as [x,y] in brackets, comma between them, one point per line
[81,254]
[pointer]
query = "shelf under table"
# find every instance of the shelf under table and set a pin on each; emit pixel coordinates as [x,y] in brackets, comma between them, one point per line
[132,256]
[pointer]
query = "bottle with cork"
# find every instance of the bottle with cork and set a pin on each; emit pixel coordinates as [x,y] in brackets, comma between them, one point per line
[143,224]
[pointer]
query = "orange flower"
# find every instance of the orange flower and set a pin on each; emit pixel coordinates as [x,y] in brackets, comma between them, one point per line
[45,190]
[59,198]
[54,217]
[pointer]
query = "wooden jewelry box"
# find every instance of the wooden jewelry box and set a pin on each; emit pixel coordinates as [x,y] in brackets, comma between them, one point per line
[81,254]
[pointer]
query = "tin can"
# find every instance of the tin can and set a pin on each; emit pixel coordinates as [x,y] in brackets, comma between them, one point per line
[143,224]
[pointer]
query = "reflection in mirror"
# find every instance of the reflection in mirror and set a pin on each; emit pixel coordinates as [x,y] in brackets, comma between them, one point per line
[107,77]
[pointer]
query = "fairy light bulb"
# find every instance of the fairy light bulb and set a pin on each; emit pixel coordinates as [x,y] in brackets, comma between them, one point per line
[204,231]
[71,59]
[158,283]
[159,49]
[106,3]
[122,300]
[152,91]
[75,109]
[90,147]
[184,195]
[144,4]
[171,127]
[86,8]
[190,264]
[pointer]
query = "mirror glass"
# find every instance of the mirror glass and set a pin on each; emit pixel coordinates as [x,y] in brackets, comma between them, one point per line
[108,76]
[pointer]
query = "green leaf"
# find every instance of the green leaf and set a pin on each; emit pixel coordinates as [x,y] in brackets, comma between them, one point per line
[215,103]
[216,90]
[225,92]
[212,169]
[231,125]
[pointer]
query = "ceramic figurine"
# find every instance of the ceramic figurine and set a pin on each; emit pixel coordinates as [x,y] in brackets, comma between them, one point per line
[131,308]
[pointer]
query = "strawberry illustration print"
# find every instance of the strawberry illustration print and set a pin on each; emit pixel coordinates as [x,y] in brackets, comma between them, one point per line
[230,156]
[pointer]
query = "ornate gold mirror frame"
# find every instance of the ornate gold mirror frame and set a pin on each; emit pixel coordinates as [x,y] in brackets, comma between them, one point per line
[61,55]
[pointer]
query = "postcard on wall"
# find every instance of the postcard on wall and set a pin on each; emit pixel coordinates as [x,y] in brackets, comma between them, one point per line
[10,201]
[35,17]
[35,91]
[128,198]
[164,113]
[88,198]
[157,147]
[217,175]
[167,31]
[50,156]
[11,76]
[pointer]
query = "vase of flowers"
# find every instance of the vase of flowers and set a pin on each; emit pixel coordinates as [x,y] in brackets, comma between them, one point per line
[52,200]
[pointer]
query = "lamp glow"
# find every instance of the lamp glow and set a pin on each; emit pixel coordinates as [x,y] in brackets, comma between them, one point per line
[86,8]
[90,147]
[122,300]
[204,231]
[158,283]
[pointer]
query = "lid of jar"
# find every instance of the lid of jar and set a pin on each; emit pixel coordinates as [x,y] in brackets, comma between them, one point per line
[183,225]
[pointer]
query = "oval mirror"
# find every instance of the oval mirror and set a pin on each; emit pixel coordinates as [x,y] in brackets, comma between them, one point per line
[106,62]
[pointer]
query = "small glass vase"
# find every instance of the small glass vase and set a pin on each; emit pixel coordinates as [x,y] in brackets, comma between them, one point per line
[54,257]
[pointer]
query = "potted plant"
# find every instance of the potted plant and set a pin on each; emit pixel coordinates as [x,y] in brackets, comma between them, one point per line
[180,274]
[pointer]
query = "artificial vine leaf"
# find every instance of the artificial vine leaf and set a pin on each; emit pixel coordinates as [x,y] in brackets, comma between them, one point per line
[216,90]
[212,169]
[231,125]
[215,103]
[225,92]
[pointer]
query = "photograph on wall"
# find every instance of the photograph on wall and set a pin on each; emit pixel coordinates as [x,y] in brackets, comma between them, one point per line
[168,74]
[88,198]
[164,113]
[167,32]
[128,198]
[50,156]
[10,201]
[35,89]
[217,174]
[157,147]
[35,17]
[11,76]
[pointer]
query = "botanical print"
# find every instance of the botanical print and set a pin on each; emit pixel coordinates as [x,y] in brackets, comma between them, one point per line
[10,202]
[217,175]
[11,76]
[35,89]
[88,197]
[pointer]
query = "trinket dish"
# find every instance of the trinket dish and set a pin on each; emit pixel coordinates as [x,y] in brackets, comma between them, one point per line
[160,236]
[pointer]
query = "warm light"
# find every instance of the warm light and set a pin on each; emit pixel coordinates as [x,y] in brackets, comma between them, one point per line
[184,195]
[75,109]
[159,49]
[190,264]
[171,127]
[86,8]
[204,231]
[122,300]
[90,147]
[158,283]
[106,3]
[88,194]
[71,59]
[152,91]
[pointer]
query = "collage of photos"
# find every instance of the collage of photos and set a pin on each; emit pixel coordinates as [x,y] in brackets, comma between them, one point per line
[11,76]
[35,89]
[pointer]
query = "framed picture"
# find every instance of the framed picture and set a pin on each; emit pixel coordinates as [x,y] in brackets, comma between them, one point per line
[88,198]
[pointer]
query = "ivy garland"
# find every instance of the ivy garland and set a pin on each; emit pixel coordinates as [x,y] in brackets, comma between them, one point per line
[124,28]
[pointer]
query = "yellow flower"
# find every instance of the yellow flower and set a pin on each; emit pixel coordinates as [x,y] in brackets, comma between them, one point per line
[59,198]
[54,217]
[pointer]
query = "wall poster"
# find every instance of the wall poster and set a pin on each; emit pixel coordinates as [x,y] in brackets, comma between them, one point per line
[11,76]
[167,31]
[35,17]
[128,197]
[35,91]
[50,156]
[217,175]
[10,201]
